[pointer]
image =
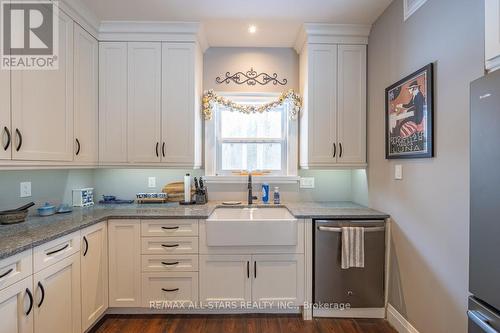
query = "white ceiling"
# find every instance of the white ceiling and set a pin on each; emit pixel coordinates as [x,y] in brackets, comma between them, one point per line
[226,21]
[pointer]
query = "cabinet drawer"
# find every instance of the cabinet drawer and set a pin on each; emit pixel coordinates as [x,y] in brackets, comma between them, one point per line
[15,268]
[170,263]
[49,253]
[165,245]
[176,227]
[158,288]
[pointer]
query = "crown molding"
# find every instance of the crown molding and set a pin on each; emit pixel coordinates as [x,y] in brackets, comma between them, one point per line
[159,31]
[82,15]
[321,33]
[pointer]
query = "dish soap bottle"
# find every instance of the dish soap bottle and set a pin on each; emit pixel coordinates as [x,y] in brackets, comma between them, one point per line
[276,195]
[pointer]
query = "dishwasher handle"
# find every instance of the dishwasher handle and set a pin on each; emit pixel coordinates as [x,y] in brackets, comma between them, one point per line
[339,230]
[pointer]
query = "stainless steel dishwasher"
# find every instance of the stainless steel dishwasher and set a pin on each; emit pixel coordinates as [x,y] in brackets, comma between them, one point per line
[358,287]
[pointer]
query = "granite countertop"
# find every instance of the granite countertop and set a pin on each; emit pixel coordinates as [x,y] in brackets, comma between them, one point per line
[38,230]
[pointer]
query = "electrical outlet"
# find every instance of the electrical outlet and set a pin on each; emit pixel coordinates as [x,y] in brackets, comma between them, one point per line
[398,172]
[306,182]
[151,182]
[25,189]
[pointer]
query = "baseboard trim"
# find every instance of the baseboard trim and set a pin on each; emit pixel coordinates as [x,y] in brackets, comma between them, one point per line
[145,311]
[397,320]
[350,313]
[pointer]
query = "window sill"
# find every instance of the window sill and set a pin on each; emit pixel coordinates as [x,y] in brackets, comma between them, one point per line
[255,179]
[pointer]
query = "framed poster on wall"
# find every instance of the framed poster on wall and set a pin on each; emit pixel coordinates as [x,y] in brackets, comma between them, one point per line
[409,116]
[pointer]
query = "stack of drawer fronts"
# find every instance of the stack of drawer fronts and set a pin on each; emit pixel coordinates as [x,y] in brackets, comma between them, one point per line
[169,261]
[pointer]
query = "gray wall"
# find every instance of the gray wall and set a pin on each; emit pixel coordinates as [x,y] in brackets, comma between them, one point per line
[46,186]
[430,207]
[282,61]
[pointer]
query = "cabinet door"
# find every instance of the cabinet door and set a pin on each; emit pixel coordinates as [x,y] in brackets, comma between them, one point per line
[322,105]
[42,105]
[351,104]
[225,278]
[14,304]
[492,33]
[86,102]
[144,109]
[278,279]
[112,102]
[124,248]
[57,305]
[5,125]
[178,103]
[94,273]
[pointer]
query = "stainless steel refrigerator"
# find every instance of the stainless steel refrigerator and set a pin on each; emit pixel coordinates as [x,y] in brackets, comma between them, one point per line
[484,260]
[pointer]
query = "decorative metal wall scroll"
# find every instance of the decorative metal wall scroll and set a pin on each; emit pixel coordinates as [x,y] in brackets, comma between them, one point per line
[251,78]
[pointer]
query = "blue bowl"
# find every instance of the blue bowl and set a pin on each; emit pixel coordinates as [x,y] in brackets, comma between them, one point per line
[46,210]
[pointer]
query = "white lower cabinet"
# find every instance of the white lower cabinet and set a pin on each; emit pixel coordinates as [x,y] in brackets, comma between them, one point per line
[181,288]
[94,273]
[57,298]
[124,263]
[278,279]
[16,309]
[225,278]
[263,278]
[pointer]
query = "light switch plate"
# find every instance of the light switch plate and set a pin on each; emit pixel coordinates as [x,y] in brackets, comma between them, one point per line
[151,182]
[307,182]
[398,172]
[25,189]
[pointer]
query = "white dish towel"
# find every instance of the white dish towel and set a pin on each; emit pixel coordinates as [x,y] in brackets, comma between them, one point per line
[353,247]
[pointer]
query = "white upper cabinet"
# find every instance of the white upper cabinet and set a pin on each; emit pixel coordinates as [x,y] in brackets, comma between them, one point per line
[42,106]
[112,102]
[5,128]
[181,114]
[144,102]
[333,119]
[351,125]
[492,34]
[86,101]
[321,108]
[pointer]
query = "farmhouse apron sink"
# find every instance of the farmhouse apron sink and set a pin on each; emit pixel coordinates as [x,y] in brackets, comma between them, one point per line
[251,227]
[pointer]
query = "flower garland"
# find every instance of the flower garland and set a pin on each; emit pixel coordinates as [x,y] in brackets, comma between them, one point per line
[210,98]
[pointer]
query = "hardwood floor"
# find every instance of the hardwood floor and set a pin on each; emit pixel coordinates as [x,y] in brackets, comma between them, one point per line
[237,324]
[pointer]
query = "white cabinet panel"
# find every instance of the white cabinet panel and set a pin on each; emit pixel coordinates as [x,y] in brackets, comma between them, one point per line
[144,102]
[86,101]
[169,245]
[5,125]
[322,105]
[181,288]
[49,253]
[112,102]
[174,227]
[94,273]
[57,297]
[181,129]
[42,106]
[351,104]
[14,306]
[170,263]
[124,248]
[278,279]
[15,268]
[233,270]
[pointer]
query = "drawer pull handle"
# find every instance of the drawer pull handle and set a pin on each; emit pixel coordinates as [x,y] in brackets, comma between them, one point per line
[248,269]
[170,245]
[20,136]
[170,263]
[339,230]
[30,296]
[255,269]
[86,246]
[170,290]
[6,273]
[43,294]
[79,146]
[59,250]
[8,138]
[170,228]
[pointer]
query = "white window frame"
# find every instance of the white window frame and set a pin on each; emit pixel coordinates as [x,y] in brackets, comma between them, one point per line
[213,144]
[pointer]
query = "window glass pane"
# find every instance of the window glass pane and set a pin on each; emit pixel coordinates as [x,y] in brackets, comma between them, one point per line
[251,156]
[255,125]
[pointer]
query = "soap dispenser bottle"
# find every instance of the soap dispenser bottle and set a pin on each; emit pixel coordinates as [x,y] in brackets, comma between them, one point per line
[276,195]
